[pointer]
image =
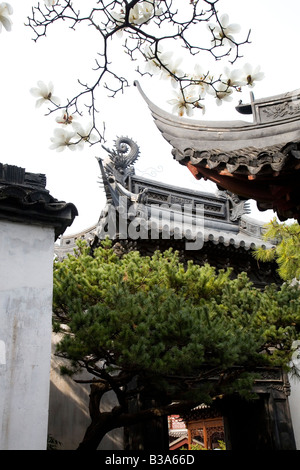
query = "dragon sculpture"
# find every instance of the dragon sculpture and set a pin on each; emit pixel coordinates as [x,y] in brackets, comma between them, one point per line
[117,167]
[120,161]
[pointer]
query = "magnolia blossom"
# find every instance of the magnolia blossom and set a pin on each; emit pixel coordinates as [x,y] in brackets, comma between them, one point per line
[222,93]
[232,77]
[224,33]
[134,14]
[154,62]
[173,70]
[118,17]
[252,74]
[80,135]
[201,79]
[65,118]
[139,14]
[44,93]
[50,3]
[184,104]
[83,135]
[62,139]
[5,11]
[142,12]
[148,9]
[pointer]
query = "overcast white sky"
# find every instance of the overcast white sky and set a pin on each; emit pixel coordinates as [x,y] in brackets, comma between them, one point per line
[64,56]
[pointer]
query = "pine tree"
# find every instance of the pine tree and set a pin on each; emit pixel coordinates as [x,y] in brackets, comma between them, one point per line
[178,334]
[286,248]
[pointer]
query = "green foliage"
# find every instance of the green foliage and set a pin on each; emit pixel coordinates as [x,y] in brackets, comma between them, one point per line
[52,443]
[197,447]
[168,323]
[286,249]
[222,446]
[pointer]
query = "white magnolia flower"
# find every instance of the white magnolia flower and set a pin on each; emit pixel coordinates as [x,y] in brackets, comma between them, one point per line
[149,9]
[224,33]
[44,93]
[222,93]
[50,3]
[202,79]
[62,139]
[83,135]
[252,74]
[157,10]
[142,12]
[153,64]
[118,20]
[139,14]
[5,11]
[232,77]
[173,69]
[65,118]
[184,104]
[134,14]
[118,17]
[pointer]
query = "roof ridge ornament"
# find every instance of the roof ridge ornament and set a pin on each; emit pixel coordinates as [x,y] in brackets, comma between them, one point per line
[117,167]
[120,161]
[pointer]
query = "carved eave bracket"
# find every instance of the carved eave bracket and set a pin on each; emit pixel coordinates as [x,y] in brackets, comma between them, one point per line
[250,162]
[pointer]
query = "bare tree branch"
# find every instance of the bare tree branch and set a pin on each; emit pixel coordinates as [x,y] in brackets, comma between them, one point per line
[148,28]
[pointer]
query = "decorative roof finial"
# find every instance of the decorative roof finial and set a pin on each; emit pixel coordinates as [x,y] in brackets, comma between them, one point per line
[120,161]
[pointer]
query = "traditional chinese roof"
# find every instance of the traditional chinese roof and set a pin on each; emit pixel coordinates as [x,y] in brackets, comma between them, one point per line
[257,160]
[24,198]
[145,214]
[223,214]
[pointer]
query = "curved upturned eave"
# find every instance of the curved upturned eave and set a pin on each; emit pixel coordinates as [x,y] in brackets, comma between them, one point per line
[183,133]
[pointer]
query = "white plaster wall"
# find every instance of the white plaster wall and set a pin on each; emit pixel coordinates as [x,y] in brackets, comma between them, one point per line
[26,279]
[294,402]
[69,408]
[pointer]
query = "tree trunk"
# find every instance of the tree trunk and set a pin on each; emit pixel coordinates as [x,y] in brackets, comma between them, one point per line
[97,430]
[102,423]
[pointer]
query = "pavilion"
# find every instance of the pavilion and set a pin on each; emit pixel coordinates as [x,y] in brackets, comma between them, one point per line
[257,160]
